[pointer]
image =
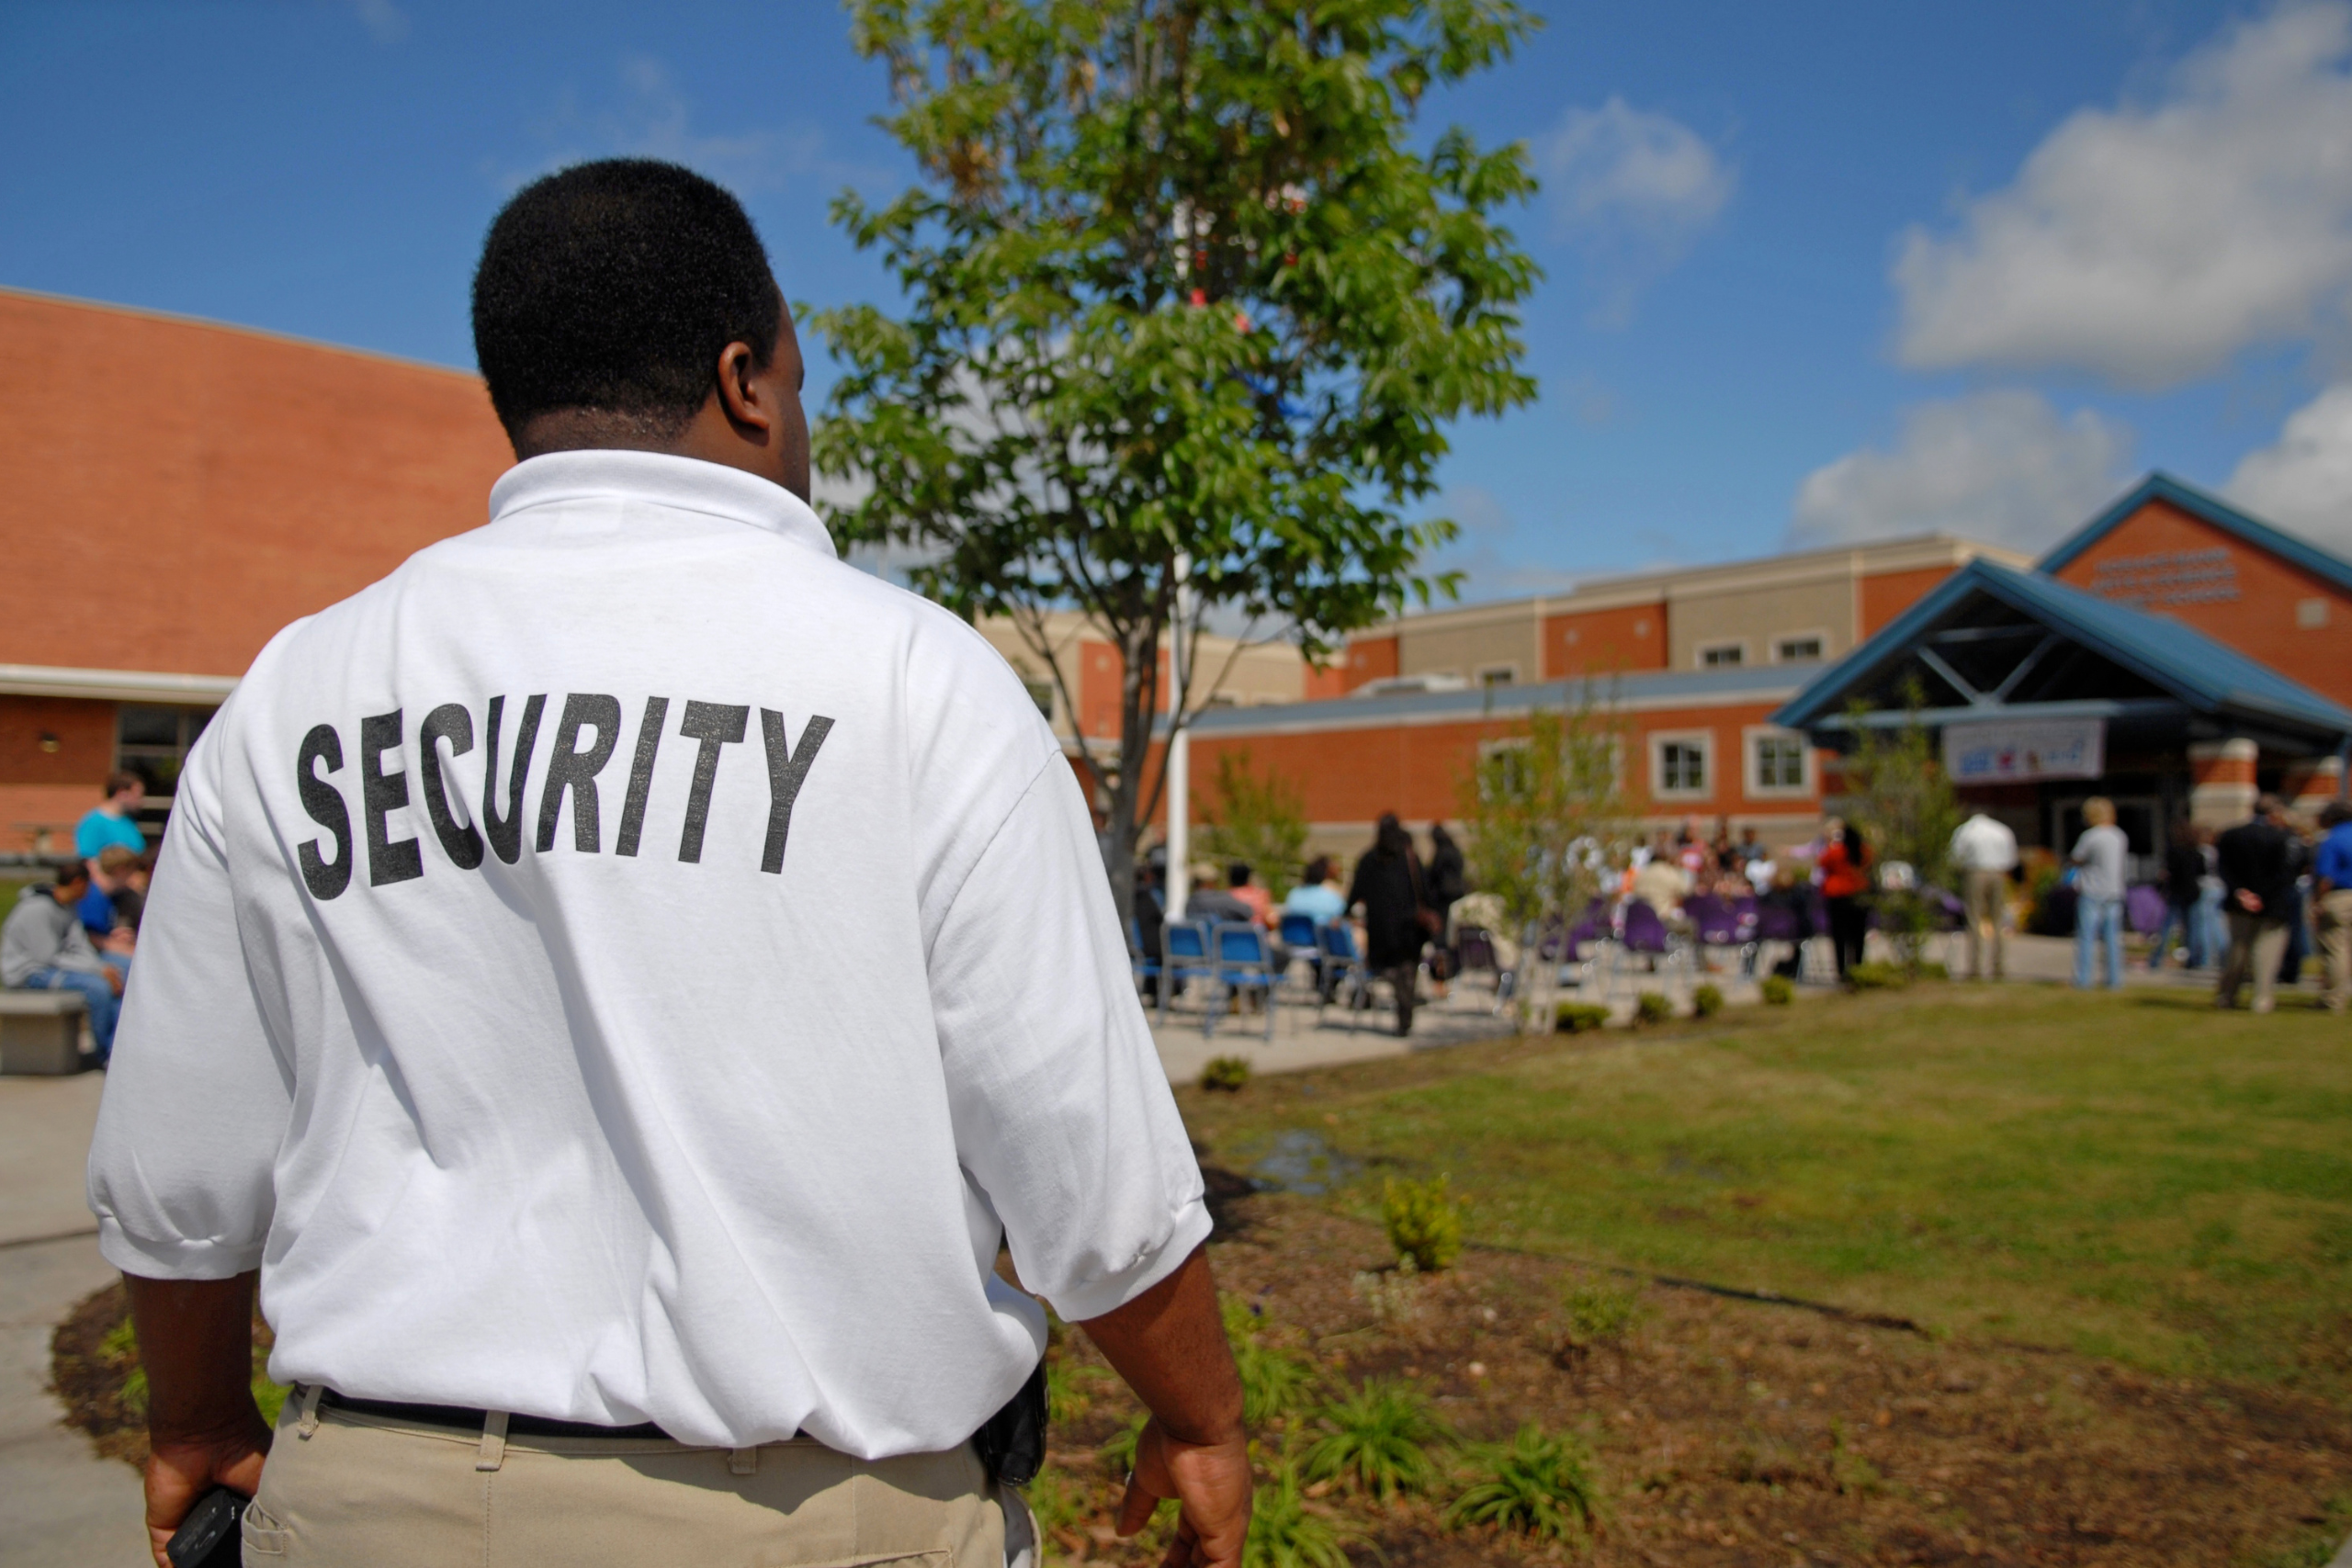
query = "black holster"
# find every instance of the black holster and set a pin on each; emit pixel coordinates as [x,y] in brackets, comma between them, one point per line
[1011,1443]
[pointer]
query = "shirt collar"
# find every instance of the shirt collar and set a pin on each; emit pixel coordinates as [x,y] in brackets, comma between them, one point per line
[659,478]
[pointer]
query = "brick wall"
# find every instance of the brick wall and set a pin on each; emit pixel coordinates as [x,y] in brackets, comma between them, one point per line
[1632,636]
[1887,594]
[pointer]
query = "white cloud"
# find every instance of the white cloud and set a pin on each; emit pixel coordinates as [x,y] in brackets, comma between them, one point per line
[653,117]
[2303,480]
[385,21]
[2148,244]
[1634,189]
[1482,551]
[2002,467]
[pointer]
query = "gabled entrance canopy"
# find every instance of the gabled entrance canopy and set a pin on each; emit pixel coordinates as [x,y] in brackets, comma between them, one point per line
[1991,642]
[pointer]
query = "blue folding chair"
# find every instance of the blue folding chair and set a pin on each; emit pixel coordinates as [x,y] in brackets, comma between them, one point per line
[1244,962]
[1146,966]
[1341,966]
[1183,951]
[1298,936]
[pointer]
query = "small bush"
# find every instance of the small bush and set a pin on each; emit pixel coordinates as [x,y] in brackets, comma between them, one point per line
[1118,1453]
[1536,1484]
[1228,1074]
[1876,977]
[1599,1313]
[1651,1007]
[1576,1018]
[1288,1531]
[1931,972]
[1706,1001]
[1377,1440]
[1778,990]
[1424,1224]
[1274,1383]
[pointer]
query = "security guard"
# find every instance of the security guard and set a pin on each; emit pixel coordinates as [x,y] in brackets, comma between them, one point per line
[616,982]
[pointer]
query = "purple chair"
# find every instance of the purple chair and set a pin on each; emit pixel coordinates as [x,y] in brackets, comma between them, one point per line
[1645,935]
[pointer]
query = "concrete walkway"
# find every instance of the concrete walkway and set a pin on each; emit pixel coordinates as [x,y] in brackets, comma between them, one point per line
[60,1506]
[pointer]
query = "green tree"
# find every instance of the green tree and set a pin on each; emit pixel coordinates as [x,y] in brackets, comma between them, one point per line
[1543,818]
[1897,792]
[1257,819]
[1184,283]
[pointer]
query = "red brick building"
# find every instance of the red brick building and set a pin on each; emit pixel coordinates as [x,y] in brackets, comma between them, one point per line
[178,491]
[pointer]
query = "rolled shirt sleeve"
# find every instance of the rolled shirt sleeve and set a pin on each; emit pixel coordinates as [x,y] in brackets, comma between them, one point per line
[197,1097]
[1062,1113]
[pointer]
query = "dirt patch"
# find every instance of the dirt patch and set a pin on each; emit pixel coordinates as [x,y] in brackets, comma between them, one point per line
[94,1371]
[1737,1432]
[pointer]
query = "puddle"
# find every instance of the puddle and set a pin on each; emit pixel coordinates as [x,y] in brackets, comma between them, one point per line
[1301,1161]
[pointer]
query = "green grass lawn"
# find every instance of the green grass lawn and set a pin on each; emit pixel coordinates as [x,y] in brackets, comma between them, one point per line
[2136,1177]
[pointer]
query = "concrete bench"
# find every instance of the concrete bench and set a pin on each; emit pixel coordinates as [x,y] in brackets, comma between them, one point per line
[41,1031]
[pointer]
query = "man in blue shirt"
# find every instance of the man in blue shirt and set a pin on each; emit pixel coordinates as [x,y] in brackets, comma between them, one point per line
[2332,886]
[111,823]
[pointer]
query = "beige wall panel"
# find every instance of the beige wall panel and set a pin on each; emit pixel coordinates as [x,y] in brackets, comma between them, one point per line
[1466,650]
[1760,616]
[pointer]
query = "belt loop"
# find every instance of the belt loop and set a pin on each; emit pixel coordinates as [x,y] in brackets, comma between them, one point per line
[493,1440]
[743,1462]
[306,1412]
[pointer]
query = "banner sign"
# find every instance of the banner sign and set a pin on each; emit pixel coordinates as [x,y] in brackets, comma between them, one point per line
[2016,751]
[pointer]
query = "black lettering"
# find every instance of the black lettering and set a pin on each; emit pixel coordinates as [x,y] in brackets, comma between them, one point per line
[640,774]
[569,767]
[452,723]
[714,724]
[787,768]
[382,793]
[325,879]
[505,834]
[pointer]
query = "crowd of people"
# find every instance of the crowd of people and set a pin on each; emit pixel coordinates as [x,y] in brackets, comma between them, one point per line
[78,931]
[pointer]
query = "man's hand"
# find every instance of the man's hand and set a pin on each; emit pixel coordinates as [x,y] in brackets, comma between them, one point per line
[1211,1482]
[196,1342]
[179,1473]
[1169,1343]
[114,979]
[2248,900]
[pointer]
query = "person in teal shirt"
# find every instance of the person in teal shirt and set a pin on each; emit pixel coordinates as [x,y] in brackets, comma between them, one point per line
[1317,897]
[111,823]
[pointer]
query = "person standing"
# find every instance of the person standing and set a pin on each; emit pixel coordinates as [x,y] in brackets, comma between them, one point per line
[2184,887]
[2257,869]
[2099,860]
[1985,851]
[1387,888]
[1844,866]
[110,822]
[618,981]
[2332,889]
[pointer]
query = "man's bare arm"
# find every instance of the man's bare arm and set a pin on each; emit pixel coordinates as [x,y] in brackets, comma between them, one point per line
[196,1342]
[1170,1345]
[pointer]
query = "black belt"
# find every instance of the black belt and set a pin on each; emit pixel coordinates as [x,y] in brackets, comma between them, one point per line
[458,1416]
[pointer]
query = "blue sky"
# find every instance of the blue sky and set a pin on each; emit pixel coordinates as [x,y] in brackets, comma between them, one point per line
[1816,273]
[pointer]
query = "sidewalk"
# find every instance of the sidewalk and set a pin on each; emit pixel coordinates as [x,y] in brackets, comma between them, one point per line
[60,1506]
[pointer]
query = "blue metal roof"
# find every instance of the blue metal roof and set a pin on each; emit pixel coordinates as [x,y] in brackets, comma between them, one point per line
[2207,676]
[2161,486]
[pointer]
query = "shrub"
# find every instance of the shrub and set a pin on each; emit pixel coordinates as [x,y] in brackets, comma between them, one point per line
[1576,1018]
[1706,1001]
[1601,1313]
[1651,1007]
[1424,1224]
[1286,1531]
[1536,1484]
[1778,990]
[1274,1383]
[1225,1073]
[1876,977]
[1377,1440]
[1118,1452]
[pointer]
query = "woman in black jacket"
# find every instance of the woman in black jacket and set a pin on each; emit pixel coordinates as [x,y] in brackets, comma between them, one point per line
[1388,886]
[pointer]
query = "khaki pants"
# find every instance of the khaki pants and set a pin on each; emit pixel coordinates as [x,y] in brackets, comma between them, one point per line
[1988,893]
[2258,943]
[2335,947]
[359,1491]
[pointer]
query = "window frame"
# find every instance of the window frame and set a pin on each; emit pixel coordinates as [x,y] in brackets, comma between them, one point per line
[1701,740]
[1752,738]
[1818,633]
[1699,652]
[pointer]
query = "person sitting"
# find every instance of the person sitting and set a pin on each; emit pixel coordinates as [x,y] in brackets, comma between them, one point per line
[111,823]
[1318,897]
[1238,882]
[44,948]
[1208,901]
[102,907]
[1662,884]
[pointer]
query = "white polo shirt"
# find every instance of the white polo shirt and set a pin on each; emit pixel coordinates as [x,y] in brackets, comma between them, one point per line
[627,965]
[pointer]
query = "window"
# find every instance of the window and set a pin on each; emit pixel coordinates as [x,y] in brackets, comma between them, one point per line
[1779,764]
[1798,649]
[1680,765]
[1503,766]
[153,742]
[1723,655]
[1499,675]
[1042,693]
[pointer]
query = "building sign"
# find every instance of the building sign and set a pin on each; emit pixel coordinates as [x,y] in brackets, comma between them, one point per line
[2019,750]
[2168,577]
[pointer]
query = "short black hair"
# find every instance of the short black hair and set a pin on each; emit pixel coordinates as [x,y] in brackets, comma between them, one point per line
[615,286]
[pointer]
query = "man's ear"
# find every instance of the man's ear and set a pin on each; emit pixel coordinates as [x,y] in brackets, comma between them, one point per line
[739,392]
